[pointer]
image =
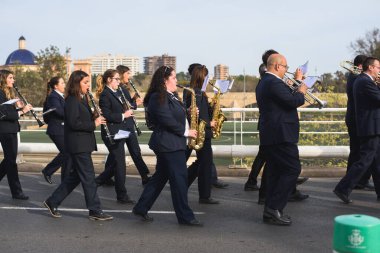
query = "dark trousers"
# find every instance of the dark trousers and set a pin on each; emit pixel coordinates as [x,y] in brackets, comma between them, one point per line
[115,166]
[355,153]
[59,160]
[134,152]
[82,171]
[257,164]
[282,170]
[9,166]
[214,173]
[172,166]
[369,158]
[201,168]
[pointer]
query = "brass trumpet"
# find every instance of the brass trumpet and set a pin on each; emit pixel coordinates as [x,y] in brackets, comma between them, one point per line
[347,65]
[309,97]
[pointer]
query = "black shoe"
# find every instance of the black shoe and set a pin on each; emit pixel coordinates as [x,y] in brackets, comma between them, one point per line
[248,186]
[297,196]
[99,215]
[109,182]
[343,197]
[53,210]
[20,196]
[301,180]
[366,187]
[126,200]
[145,217]
[47,177]
[208,201]
[145,180]
[275,217]
[261,201]
[194,223]
[220,184]
[98,182]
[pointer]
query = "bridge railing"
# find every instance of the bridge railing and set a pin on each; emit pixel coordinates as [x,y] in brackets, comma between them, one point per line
[239,134]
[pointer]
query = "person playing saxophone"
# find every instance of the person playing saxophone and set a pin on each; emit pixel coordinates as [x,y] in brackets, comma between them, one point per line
[201,168]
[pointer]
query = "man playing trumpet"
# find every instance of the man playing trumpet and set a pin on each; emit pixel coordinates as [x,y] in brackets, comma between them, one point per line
[279,133]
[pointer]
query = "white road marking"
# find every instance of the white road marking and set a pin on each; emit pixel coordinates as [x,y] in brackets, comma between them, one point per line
[82,210]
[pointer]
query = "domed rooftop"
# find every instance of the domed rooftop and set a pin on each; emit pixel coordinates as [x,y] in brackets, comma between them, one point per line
[21,56]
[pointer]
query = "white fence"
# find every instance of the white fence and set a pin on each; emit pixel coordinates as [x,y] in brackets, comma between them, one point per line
[239,117]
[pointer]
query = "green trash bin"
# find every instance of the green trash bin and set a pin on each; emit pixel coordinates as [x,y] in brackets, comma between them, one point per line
[356,233]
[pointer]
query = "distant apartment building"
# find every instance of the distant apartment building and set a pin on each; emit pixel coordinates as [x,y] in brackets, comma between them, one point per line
[152,63]
[221,72]
[100,63]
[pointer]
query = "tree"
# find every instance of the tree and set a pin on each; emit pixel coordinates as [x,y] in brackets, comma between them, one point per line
[51,63]
[369,45]
[30,86]
[33,84]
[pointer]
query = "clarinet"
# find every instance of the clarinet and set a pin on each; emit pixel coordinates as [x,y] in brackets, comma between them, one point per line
[128,106]
[97,109]
[40,123]
[134,88]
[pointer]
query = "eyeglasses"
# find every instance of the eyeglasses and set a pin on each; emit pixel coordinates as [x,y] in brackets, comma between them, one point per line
[116,78]
[166,68]
[285,66]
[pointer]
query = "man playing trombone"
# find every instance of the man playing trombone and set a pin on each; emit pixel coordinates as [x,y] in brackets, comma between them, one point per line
[279,133]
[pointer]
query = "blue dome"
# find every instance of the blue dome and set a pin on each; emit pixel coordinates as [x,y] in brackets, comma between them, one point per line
[21,57]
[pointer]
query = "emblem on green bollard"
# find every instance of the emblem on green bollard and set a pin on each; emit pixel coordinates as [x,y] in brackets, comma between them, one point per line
[355,238]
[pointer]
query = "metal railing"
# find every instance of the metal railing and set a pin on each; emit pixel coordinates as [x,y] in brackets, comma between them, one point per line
[239,126]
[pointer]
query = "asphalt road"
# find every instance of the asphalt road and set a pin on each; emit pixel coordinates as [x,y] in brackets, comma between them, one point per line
[235,225]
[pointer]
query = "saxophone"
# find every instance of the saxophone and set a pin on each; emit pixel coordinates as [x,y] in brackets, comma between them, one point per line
[217,114]
[195,143]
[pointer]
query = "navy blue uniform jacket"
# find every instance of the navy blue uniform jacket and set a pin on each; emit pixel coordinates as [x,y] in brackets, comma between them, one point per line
[79,127]
[56,117]
[112,108]
[169,124]
[277,104]
[9,123]
[350,113]
[367,106]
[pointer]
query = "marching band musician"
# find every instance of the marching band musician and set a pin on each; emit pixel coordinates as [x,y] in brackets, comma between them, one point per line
[116,113]
[55,100]
[167,118]
[9,127]
[351,126]
[79,143]
[279,134]
[366,96]
[259,162]
[216,182]
[201,168]
[132,141]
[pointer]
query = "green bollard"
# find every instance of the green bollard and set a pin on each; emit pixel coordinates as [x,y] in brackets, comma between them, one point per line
[356,233]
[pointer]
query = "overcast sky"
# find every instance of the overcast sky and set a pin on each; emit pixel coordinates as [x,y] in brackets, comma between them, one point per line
[233,32]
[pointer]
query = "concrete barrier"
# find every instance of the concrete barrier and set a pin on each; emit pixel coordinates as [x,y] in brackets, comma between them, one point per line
[218,150]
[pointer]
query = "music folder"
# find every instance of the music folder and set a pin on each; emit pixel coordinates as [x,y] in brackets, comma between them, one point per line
[121,135]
